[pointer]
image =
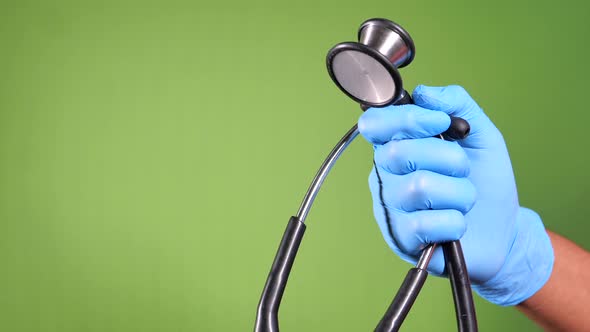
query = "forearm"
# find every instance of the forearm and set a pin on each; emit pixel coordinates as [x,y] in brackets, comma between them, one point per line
[563,304]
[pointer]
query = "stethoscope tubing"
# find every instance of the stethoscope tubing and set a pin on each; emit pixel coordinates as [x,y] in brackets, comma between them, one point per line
[267,311]
[270,300]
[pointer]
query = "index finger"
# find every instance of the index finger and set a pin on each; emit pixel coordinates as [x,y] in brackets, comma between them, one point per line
[381,125]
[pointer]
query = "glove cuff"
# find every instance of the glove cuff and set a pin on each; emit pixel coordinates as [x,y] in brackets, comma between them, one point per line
[528,264]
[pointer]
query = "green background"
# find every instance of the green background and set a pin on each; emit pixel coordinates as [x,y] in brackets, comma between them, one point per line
[151,154]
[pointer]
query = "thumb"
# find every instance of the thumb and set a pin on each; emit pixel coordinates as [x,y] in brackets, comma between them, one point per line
[455,101]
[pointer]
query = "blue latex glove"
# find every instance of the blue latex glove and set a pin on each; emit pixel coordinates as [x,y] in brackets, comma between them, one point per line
[426,190]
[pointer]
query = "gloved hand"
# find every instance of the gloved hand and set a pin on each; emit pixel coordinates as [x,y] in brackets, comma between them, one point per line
[426,190]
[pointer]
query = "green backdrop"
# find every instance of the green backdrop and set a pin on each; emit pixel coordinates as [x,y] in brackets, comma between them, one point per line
[151,154]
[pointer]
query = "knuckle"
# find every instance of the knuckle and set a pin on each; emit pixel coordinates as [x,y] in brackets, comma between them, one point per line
[457,223]
[405,232]
[393,156]
[409,119]
[420,227]
[459,160]
[446,225]
[463,96]
[393,151]
[398,159]
[364,123]
[471,196]
[468,196]
[368,125]
[457,88]
[418,187]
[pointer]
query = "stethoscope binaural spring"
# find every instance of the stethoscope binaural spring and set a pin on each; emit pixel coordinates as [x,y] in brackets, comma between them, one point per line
[367,71]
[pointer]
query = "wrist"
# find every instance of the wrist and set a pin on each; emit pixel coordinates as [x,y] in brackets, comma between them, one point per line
[527,267]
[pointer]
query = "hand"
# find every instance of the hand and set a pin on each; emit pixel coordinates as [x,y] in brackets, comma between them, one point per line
[426,190]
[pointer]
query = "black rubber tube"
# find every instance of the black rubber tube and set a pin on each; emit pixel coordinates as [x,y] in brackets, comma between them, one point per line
[268,307]
[461,287]
[412,284]
[403,301]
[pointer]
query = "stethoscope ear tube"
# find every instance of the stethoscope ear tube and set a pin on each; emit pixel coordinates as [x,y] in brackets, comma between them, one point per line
[461,287]
[403,301]
[268,307]
[412,284]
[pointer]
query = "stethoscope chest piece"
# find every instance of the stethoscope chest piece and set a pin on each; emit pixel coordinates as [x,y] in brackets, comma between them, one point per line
[366,71]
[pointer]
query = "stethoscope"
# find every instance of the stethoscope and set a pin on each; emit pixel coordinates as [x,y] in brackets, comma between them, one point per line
[367,72]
